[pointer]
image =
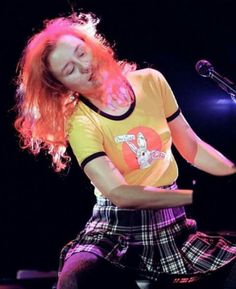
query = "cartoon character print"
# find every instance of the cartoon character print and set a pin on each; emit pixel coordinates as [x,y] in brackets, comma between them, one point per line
[141,147]
[144,156]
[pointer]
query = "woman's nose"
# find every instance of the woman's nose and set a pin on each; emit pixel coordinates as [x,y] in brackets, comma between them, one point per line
[85,69]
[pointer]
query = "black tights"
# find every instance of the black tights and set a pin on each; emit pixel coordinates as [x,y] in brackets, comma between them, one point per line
[87,271]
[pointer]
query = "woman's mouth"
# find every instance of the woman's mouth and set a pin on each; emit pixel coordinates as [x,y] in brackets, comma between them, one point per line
[90,77]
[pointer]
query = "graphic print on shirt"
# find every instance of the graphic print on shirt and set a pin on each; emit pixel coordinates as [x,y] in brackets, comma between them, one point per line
[141,146]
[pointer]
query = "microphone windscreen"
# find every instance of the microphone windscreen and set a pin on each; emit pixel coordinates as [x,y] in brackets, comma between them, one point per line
[204,67]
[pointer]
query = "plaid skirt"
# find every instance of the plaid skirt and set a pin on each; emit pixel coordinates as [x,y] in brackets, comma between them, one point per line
[151,243]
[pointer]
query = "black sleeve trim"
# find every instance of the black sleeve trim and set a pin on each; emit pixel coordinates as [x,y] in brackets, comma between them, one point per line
[174,115]
[91,157]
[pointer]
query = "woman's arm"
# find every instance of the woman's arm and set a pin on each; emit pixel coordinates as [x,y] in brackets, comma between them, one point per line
[197,152]
[109,181]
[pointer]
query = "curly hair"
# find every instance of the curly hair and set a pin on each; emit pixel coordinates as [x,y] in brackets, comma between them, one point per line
[44,105]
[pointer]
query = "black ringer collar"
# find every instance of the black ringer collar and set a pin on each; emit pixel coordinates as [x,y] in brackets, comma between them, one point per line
[107,115]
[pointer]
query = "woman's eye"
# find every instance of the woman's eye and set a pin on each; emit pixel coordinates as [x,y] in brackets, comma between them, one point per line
[80,52]
[69,72]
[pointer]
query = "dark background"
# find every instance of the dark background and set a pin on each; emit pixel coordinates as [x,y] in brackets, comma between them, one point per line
[40,210]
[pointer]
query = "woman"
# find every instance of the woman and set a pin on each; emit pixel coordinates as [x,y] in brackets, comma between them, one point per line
[120,123]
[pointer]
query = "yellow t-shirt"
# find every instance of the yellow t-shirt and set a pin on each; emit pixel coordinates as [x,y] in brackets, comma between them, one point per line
[137,142]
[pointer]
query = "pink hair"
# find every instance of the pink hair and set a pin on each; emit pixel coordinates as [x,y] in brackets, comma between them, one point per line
[43,103]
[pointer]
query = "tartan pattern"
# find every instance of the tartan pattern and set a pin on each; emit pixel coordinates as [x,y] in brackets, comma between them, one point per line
[151,242]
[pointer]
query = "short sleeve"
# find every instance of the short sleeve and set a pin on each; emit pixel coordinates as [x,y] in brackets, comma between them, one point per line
[85,139]
[170,105]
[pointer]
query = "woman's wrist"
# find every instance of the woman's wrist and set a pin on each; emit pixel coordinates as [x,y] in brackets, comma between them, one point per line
[234,168]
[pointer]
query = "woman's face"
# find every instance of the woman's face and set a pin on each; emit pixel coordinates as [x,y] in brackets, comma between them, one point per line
[72,63]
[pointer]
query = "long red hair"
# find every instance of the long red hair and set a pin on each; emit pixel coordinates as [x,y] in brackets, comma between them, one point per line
[43,103]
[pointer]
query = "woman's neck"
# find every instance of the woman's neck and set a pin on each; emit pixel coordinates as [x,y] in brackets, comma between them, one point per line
[115,104]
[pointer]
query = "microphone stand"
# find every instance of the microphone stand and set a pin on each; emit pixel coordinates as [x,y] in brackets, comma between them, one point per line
[226,84]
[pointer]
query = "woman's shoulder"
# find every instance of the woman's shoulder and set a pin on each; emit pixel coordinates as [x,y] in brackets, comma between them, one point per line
[145,73]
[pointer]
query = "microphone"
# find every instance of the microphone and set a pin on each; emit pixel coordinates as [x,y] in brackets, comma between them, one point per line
[206,69]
